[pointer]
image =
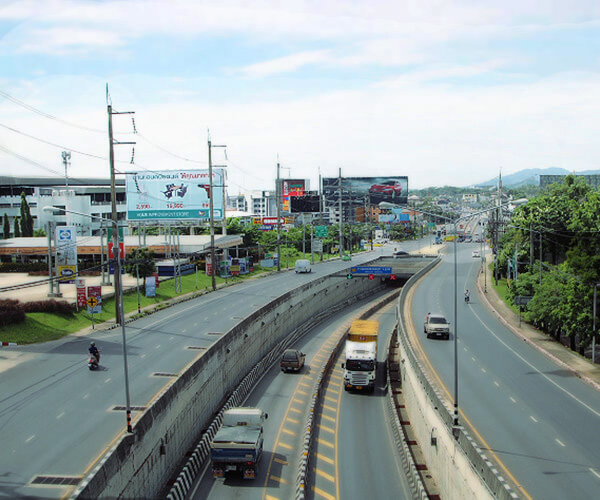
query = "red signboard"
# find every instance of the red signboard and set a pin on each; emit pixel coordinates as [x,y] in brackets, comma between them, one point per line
[111,254]
[81,295]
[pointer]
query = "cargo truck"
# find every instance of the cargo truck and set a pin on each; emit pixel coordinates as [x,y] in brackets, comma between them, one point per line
[238,444]
[360,367]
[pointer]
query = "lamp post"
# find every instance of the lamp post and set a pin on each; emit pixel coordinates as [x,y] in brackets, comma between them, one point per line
[119,297]
[594,326]
[455,422]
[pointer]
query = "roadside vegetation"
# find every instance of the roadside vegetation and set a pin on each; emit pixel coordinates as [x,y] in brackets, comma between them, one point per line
[565,220]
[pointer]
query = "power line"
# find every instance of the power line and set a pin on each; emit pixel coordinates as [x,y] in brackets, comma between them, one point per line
[170,152]
[48,115]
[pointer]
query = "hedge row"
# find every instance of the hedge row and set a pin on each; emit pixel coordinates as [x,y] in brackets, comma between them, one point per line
[22,267]
[12,311]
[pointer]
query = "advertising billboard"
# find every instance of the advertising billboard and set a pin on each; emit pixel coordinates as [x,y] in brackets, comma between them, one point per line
[291,188]
[66,253]
[372,189]
[174,195]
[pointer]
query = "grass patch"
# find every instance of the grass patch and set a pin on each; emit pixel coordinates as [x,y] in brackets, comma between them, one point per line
[502,291]
[43,327]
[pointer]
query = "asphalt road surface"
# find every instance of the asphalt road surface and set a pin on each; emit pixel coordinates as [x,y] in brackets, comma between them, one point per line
[539,420]
[57,418]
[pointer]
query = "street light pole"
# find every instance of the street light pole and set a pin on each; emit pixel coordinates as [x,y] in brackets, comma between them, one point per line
[119,299]
[594,326]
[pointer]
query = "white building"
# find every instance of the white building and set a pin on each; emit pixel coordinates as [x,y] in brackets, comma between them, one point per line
[88,196]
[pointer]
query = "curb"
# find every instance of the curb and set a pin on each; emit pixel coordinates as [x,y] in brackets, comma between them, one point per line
[9,344]
[546,353]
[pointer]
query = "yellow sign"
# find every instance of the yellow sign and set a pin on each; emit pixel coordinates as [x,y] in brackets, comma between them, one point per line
[92,301]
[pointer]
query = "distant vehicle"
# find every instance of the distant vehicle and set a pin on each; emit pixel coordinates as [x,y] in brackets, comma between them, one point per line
[438,240]
[476,254]
[398,253]
[292,360]
[302,266]
[346,256]
[392,189]
[360,368]
[436,325]
[238,444]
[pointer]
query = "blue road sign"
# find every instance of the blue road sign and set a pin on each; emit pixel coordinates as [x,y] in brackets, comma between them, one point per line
[376,270]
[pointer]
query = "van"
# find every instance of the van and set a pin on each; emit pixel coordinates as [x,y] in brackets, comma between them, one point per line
[303,266]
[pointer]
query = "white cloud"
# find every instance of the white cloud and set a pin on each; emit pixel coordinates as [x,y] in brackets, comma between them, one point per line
[57,41]
[285,64]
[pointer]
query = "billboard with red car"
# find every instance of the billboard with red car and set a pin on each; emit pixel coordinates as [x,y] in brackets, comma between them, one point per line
[374,189]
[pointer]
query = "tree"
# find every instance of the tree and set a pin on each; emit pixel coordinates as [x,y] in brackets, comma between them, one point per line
[17,228]
[6,228]
[26,218]
[145,263]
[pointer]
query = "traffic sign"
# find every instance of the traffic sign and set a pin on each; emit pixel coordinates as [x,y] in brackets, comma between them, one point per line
[371,276]
[321,231]
[375,270]
[92,302]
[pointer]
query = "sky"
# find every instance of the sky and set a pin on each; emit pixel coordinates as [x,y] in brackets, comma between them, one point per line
[444,92]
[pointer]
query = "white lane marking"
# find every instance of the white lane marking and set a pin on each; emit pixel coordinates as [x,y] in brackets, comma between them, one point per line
[157,346]
[556,384]
[171,338]
[465,349]
[143,356]
[513,399]
[595,473]
[483,370]
[30,438]
[533,418]
[195,324]
[107,380]
[86,396]
[496,384]
[472,358]
[60,415]
[560,442]
[183,331]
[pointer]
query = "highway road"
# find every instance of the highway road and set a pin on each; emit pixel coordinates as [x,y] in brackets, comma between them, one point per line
[57,418]
[539,420]
[354,454]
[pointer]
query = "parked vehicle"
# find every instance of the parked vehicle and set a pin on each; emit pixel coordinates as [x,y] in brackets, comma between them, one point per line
[292,360]
[476,254]
[360,367]
[399,253]
[302,266]
[436,325]
[238,444]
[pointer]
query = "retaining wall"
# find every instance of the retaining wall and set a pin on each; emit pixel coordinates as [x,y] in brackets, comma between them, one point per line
[140,464]
[458,465]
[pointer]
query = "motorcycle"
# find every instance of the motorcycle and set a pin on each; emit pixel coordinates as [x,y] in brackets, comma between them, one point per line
[94,362]
[467,299]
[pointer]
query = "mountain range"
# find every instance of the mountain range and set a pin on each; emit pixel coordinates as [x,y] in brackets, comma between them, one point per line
[530,176]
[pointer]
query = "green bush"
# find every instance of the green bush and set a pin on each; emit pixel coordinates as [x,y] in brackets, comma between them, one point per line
[11,312]
[49,306]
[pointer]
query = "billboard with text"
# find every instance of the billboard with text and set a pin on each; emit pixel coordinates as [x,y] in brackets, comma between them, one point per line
[174,195]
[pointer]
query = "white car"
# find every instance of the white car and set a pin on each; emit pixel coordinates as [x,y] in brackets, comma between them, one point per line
[302,266]
[476,254]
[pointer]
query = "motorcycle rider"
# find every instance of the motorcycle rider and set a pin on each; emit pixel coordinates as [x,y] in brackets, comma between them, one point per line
[94,351]
[467,296]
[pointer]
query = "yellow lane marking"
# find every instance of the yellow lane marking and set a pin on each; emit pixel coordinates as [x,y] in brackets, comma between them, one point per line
[298,400]
[325,428]
[329,398]
[296,410]
[410,324]
[293,420]
[285,445]
[291,433]
[279,461]
[300,391]
[330,408]
[278,479]
[269,497]
[324,443]
[335,384]
[337,377]
[327,417]
[304,384]
[323,494]
[324,458]
[329,477]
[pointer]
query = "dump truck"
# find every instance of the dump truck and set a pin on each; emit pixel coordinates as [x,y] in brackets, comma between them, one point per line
[238,444]
[360,367]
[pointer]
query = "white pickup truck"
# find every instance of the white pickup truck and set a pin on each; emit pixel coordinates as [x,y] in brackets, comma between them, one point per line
[238,444]
[436,325]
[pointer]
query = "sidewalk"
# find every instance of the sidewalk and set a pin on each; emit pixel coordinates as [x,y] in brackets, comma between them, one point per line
[560,354]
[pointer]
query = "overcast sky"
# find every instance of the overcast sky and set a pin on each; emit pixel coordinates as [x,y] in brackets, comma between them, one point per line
[445,92]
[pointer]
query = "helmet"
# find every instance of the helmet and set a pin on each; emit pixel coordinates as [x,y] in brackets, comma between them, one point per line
[92,344]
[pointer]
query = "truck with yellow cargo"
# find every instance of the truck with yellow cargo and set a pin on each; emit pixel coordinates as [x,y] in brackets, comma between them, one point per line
[360,366]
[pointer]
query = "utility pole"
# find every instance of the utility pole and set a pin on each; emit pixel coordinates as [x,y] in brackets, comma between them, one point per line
[66,156]
[531,246]
[278,202]
[341,215]
[211,212]
[113,203]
